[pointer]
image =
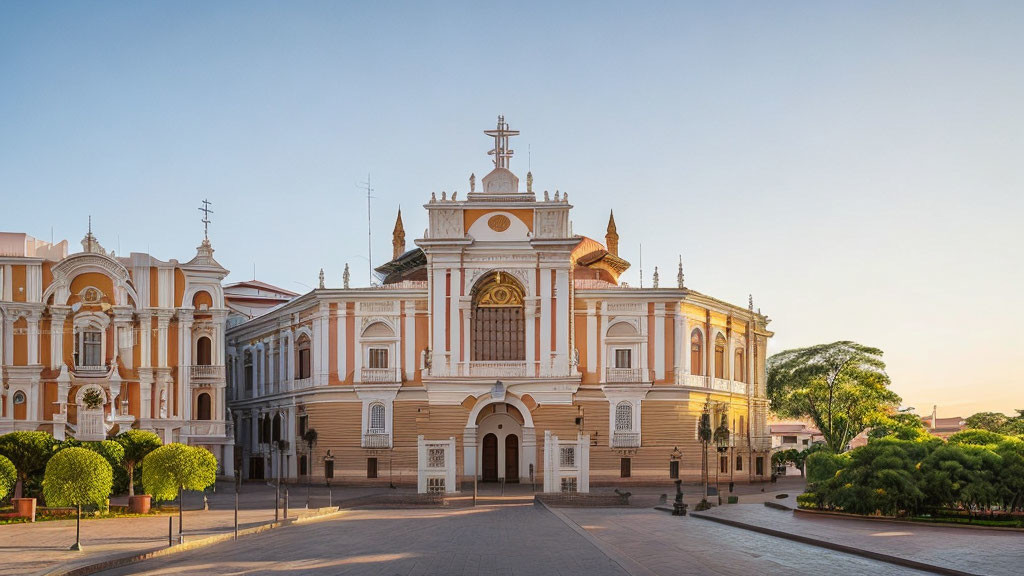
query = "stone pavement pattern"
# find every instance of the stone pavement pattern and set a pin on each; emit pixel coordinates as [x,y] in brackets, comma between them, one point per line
[667,545]
[989,552]
[516,539]
[42,546]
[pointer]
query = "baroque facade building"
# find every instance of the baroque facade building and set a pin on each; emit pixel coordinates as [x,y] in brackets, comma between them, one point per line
[502,347]
[92,343]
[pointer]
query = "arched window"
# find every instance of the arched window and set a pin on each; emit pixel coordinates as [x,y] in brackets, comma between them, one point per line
[275,435]
[743,426]
[696,353]
[304,363]
[204,407]
[20,407]
[377,413]
[498,325]
[739,368]
[204,351]
[247,363]
[623,417]
[719,356]
[265,429]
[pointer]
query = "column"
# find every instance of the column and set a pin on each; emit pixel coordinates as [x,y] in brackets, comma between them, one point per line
[408,336]
[592,365]
[33,336]
[454,305]
[145,339]
[342,342]
[437,346]
[185,364]
[659,341]
[163,320]
[58,315]
[562,322]
[545,321]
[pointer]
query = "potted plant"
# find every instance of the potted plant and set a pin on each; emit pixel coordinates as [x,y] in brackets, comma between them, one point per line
[28,452]
[137,445]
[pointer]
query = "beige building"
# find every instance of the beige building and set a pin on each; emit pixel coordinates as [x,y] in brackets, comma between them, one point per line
[502,346]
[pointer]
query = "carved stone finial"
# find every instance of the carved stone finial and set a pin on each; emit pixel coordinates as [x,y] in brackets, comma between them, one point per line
[472,183]
[679,275]
[565,197]
[557,194]
[546,196]
[433,197]
[611,237]
[656,277]
[529,182]
[321,278]
[398,237]
[444,196]
[345,277]
[750,302]
[454,194]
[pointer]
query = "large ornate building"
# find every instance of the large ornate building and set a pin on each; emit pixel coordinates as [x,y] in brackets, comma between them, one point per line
[92,343]
[503,347]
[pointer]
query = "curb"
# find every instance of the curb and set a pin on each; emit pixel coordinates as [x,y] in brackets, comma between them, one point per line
[888,558]
[92,568]
[627,564]
[953,525]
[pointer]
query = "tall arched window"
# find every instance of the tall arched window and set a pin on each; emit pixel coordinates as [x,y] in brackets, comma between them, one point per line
[304,364]
[247,366]
[623,417]
[499,328]
[377,413]
[275,435]
[204,407]
[20,406]
[739,371]
[696,353]
[204,351]
[719,356]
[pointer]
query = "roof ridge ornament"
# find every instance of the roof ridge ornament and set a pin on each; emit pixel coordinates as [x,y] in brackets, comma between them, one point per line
[501,151]
[679,275]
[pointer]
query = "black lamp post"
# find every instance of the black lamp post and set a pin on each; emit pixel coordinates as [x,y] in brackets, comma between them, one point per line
[704,433]
[722,446]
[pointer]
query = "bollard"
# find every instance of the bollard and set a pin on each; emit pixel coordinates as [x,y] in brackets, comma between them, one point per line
[330,497]
[286,503]
[236,514]
[277,504]
[170,530]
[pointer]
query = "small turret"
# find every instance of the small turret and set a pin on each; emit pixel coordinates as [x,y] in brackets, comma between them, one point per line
[611,238]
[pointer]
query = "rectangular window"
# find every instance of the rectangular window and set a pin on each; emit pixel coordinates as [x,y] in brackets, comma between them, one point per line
[303,463]
[805,441]
[435,485]
[304,365]
[623,358]
[568,484]
[789,439]
[371,467]
[739,463]
[92,348]
[303,425]
[759,466]
[328,469]
[379,358]
[673,469]
[723,464]
[435,458]
[624,467]
[567,457]
[248,377]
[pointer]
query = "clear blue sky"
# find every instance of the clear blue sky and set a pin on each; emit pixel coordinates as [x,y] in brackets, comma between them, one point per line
[856,166]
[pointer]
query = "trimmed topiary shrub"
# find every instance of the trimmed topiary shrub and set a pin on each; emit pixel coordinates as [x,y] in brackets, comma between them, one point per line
[8,477]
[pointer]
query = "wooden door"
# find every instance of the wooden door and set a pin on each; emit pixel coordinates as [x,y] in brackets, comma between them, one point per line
[625,467]
[489,459]
[371,467]
[511,458]
[499,334]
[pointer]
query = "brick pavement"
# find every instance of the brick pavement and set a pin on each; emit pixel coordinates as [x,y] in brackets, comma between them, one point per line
[517,538]
[670,546]
[40,547]
[973,551]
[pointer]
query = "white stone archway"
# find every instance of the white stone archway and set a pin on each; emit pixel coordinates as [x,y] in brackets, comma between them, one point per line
[474,433]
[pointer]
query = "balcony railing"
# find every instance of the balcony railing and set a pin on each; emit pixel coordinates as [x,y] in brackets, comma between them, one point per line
[625,375]
[200,374]
[625,439]
[696,381]
[720,384]
[207,428]
[739,387]
[379,375]
[375,440]
[301,383]
[497,369]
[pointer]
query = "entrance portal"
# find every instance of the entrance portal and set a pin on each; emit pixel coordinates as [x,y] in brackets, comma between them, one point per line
[489,459]
[511,458]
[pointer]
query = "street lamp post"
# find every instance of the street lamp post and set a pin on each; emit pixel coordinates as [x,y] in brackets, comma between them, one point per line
[722,446]
[704,433]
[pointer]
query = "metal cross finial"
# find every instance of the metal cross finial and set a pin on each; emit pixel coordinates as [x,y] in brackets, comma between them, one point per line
[501,152]
[90,224]
[206,218]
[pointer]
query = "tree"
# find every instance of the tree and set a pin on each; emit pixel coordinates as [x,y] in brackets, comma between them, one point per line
[172,468]
[29,452]
[903,425]
[76,477]
[310,438]
[991,421]
[881,476]
[977,438]
[137,444]
[841,387]
[8,477]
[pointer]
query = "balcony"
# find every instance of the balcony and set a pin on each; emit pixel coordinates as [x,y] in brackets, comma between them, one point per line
[739,387]
[206,374]
[376,441]
[302,383]
[379,375]
[498,369]
[215,428]
[695,381]
[625,375]
[91,371]
[625,439]
[720,384]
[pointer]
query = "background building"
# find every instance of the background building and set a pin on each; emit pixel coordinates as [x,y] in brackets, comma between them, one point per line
[93,344]
[504,347]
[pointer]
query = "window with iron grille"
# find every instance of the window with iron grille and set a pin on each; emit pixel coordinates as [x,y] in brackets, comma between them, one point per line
[377,412]
[567,457]
[435,485]
[623,358]
[568,484]
[435,458]
[623,417]
[379,358]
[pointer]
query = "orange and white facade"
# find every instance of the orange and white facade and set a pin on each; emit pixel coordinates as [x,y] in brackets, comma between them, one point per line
[503,347]
[92,344]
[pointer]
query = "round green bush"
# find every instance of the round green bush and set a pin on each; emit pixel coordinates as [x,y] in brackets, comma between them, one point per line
[8,477]
[77,476]
[173,467]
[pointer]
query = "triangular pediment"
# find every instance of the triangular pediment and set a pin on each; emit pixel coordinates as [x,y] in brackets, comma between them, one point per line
[501,181]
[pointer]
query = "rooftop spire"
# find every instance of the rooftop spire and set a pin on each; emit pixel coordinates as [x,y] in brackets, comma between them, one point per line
[398,237]
[501,152]
[611,237]
[679,275]
[205,209]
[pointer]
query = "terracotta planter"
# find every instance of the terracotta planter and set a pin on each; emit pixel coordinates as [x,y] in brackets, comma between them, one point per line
[140,504]
[25,508]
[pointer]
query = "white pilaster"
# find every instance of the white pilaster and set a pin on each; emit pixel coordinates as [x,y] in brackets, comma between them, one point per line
[659,341]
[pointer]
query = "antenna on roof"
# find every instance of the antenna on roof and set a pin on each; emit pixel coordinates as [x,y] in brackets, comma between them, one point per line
[369,225]
[641,265]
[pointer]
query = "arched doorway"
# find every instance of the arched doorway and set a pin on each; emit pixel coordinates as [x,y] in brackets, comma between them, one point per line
[489,459]
[498,324]
[204,407]
[204,351]
[511,458]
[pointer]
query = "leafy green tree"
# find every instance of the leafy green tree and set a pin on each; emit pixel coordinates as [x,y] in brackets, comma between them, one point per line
[899,425]
[977,438]
[823,465]
[881,476]
[77,477]
[173,468]
[137,444]
[29,452]
[8,477]
[960,475]
[991,421]
[841,387]
[1010,484]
